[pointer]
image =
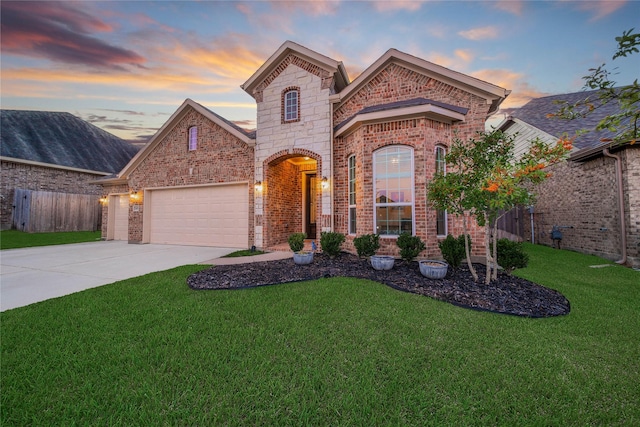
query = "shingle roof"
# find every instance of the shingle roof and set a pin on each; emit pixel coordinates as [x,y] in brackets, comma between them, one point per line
[250,133]
[403,104]
[62,139]
[535,113]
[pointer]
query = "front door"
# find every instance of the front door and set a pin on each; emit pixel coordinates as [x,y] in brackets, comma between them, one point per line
[311,189]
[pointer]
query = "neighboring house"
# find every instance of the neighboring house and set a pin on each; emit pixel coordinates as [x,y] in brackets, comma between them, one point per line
[328,154]
[56,153]
[583,194]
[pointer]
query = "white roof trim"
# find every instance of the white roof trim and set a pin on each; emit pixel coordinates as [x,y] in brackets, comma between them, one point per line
[307,54]
[479,87]
[52,166]
[428,110]
[177,115]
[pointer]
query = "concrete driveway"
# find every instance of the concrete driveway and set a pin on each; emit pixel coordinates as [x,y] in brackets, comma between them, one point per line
[36,274]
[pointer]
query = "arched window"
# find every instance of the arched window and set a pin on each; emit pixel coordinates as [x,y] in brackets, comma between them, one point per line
[291,105]
[352,194]
[393,188]
[193,138]
[441,167]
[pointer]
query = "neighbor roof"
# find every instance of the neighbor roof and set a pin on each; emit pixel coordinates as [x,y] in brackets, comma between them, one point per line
[61,139]
[535,114]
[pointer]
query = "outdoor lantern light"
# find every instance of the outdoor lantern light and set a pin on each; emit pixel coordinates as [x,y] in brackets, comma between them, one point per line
[258,185]
[104,199]
[134,195]
[325,182]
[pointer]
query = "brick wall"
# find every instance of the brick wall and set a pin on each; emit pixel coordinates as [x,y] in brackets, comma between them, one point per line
[111,189]
[284,204]
[392,84]
[584,196]
[39,178]
[219,158]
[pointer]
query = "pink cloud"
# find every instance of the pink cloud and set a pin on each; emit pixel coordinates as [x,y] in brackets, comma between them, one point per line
[600,8]
[482,33]
[60,32]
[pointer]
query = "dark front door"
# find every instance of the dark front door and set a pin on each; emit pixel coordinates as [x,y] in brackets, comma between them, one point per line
[310,201]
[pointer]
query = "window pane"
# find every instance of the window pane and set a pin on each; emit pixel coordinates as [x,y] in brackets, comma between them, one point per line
[441,223]
[291,105]
[440,162]
[352,220]
[394,220]
[193,138]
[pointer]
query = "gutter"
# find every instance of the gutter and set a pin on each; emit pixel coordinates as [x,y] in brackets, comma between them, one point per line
[623,225]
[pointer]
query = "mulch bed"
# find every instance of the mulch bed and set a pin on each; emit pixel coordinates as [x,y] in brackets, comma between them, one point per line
[507,295]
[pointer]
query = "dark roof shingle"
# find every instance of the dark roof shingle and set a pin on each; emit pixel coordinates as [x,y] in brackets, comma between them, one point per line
[62,139]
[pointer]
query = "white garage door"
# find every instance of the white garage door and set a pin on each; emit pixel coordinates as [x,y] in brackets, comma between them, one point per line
[121,214]
[202,216]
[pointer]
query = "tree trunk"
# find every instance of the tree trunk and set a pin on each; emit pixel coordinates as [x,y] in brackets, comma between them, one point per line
[494,275]
[466,248]
[487,251]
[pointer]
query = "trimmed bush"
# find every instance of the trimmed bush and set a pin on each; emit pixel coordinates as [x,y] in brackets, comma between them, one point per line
[453,250]
[331,242]
[367,244]
[410,246]
[511,255]
[296,241]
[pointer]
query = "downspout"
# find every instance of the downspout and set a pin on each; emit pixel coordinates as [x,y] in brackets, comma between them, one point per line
[331,164]
[623,225]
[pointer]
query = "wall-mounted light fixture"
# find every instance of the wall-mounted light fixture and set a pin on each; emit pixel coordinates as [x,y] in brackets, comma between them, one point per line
[325,182]
[104,199]
[258,185]
[134,196]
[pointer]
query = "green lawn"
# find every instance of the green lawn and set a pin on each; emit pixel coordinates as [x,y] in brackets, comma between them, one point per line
[149,351]
[12,239]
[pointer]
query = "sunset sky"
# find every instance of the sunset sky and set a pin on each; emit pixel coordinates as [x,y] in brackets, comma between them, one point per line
[126,66]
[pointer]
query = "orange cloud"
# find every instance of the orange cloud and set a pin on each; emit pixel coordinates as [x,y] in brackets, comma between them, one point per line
[481,33]
[521,91]
[515,7]
[387,6]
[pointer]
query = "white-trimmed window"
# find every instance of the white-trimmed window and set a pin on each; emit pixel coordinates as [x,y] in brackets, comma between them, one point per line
[352,195]
[193,138]
[291,105]
[441,167]
[393,189]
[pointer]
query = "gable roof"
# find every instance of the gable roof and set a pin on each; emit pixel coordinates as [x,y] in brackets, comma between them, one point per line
[492,93]
[248,137]
[331,65]
[61,139]
[534,113]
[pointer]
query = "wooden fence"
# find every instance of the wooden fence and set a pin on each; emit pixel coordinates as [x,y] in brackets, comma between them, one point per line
[45,211]
[511,225]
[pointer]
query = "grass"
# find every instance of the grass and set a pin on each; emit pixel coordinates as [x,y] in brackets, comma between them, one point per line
[12,239]
[244,252]
[149,351]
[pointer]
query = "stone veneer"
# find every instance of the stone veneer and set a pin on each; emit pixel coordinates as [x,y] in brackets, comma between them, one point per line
[309,136]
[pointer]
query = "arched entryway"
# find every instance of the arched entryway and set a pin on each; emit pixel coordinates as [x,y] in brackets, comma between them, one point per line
[292,196]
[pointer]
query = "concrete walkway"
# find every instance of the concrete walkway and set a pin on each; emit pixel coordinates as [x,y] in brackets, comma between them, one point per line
[36,274]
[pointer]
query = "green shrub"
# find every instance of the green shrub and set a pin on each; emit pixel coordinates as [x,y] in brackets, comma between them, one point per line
[331,242]
[453,250]
[410,246]
[296,241]
[367,244]
[511,255]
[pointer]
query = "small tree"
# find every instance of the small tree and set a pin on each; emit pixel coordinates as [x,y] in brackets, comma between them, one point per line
[491,181]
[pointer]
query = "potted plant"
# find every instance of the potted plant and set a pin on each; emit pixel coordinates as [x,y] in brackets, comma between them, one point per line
[296,243]
[433,269]
[367,245]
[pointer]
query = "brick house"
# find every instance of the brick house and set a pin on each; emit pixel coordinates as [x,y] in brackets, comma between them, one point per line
[55,153]
[327,154]
[584,192]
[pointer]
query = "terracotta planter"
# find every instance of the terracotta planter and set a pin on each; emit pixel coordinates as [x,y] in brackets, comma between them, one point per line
[382,262]
[303,258]
[433,269]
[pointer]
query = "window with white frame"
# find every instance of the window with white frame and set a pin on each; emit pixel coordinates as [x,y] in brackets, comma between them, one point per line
[193,138]
[352,195]
[441,167]
[393,187]
[291,105]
